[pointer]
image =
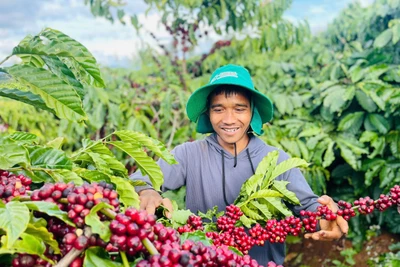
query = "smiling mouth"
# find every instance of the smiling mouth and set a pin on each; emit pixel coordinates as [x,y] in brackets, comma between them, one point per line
[230,130]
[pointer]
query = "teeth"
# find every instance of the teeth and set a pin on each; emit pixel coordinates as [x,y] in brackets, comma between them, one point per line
[231,130]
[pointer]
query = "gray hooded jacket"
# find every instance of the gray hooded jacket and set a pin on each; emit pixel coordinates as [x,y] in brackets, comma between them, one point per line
[211,175]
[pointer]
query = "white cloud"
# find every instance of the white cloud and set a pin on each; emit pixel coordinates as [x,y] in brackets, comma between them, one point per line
[365,3]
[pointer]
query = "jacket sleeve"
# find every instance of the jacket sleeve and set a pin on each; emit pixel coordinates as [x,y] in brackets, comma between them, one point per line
[174,175]
[298,185]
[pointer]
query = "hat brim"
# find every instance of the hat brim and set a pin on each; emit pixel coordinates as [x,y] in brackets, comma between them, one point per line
[197,103]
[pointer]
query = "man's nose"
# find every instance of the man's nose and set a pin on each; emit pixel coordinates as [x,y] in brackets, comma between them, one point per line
[229,117]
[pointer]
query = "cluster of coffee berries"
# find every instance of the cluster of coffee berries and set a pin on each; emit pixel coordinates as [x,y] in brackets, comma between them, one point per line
[194,223]
[191,253]
[12,185]
[230,235]
[29,261]
[276,231]
[79,199]
[365,205]
[345,210]
[128,229]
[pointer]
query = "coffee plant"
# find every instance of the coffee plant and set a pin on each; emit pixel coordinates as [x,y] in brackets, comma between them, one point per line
[63,224]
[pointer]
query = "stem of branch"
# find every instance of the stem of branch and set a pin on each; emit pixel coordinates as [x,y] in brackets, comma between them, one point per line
[150,247]
[125,261]
[109,213]
[68,258]
[174,126]
[5,59]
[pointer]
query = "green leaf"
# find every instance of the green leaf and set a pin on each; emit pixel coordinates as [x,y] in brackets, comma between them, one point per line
[106,160]
[250,213]
[53,43]
[49,158]
[246,221]
[180,217]
[126,192]
[352,122]
[310,131]
[383,39]
[329,155]
[196,236]
[305,153]
[267,164]
[93,259]
[365,101]
[386,176]
[50,209]
[65,176]
[393,139]
[23,137]
[11,155]
[373,172]
[99,227]
[291,147]
[349,156]
[288,164]
[252,184]
[177,195]
[62,71]
[334,99]
[135,22]
[32,60]
[263,209]
[29,244]
[277,204]
[396,33]
[108,164]
[25,97]
[378,122]
[14,219]
[265,193]
[100,164]
[43,234]
[357,73]
[146,164]
[280,186]
[56,94]
[92,175]
[56,143]
[153,144]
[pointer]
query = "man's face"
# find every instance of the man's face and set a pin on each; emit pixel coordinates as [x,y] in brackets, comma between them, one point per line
[230,117]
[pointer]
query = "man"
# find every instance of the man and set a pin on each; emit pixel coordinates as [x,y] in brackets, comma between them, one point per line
[214,169]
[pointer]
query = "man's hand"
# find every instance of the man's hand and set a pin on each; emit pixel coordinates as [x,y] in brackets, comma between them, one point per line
[330,230]
[151,199]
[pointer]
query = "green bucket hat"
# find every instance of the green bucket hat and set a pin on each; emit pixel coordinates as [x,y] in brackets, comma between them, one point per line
[196,107]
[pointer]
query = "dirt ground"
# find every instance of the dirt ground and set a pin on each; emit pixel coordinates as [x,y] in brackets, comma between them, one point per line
[320,254]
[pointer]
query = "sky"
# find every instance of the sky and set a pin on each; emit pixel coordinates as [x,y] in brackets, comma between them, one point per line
[116,45]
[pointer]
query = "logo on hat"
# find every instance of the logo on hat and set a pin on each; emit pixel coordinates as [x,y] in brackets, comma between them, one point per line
[224,75]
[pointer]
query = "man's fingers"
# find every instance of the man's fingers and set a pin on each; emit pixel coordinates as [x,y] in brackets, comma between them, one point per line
[324,200]
[323,235]
[343,225]
[328,201]
[168,205]
[151,208]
